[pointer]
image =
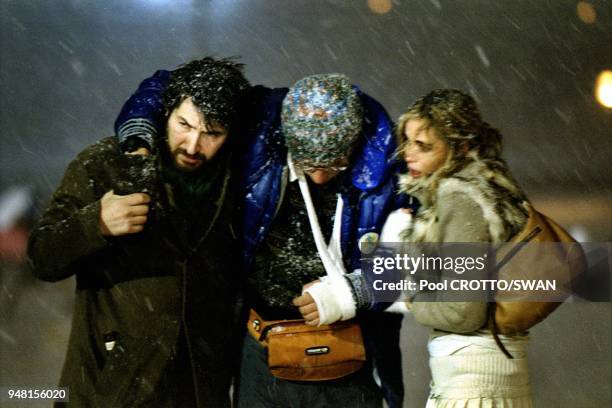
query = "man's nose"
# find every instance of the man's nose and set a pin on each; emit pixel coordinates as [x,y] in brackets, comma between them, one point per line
[192,143]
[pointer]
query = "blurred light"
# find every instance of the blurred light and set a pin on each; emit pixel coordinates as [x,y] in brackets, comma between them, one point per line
[586,12]
[380,6]
[603,88]
[15,203]
[579,233]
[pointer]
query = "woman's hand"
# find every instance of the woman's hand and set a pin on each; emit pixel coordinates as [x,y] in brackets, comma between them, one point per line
[397,222]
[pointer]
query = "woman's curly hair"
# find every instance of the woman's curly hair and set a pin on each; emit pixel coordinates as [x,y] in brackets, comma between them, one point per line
[454,115]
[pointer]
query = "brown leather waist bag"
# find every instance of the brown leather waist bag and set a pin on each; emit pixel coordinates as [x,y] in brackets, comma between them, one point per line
[305,353]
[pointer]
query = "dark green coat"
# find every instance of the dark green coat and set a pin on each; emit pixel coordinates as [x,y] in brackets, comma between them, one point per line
[146,290]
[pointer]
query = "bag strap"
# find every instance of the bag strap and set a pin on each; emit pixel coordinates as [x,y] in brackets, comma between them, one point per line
[493,305]
[495,330]
[330,255]
[516,248]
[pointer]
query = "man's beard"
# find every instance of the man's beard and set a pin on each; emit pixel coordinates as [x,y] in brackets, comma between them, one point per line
[182,152]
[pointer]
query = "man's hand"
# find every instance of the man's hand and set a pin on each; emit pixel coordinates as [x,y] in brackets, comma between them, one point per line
[141,151]
[308,307]
[121,215]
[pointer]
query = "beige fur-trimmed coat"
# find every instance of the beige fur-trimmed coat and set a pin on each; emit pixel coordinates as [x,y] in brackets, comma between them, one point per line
[479,203]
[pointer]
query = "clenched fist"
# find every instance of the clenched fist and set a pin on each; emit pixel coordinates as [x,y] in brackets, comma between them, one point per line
[123,214]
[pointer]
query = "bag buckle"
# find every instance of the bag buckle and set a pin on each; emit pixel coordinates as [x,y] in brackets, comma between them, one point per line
[256,325]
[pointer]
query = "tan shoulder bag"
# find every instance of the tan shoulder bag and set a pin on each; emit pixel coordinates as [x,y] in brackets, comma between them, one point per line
[563,263]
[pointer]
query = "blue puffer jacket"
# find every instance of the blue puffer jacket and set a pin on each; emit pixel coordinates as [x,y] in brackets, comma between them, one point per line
[369,198]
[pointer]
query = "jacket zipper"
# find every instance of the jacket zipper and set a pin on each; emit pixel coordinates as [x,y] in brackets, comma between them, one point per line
[187,337]
[219,206]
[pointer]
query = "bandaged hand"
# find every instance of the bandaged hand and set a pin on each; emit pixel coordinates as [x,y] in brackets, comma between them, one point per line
[326,301]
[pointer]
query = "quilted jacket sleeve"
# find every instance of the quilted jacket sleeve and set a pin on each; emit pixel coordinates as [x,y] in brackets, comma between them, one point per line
[141,119]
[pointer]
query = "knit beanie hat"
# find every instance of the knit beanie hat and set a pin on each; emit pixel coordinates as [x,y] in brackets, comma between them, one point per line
[321,119]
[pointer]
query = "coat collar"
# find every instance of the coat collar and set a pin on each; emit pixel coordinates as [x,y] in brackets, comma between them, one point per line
[374,162]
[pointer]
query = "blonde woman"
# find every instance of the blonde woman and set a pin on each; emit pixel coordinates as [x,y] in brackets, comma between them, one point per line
[467,195]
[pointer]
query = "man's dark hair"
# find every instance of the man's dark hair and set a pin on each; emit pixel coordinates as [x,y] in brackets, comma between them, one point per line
[216,87]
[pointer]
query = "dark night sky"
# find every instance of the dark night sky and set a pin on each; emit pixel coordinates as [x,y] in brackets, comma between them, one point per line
[68,65]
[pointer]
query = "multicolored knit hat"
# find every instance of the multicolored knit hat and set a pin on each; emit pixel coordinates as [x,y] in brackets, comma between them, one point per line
[321,119]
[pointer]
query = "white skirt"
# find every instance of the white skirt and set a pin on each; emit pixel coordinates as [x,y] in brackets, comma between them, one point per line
[470,371]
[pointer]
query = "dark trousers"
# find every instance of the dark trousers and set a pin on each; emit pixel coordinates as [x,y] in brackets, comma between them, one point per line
[260,389]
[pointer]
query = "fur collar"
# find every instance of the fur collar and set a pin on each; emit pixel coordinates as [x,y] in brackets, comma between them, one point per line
[489,183]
